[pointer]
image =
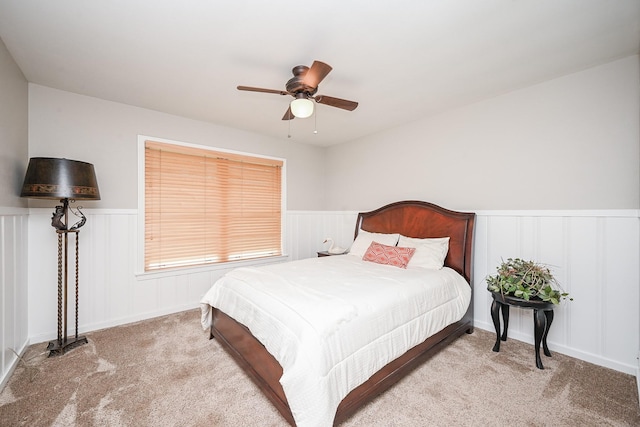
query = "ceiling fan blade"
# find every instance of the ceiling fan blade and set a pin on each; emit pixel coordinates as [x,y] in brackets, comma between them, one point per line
[259,89]
[316,73]
[288,115]
[336,102]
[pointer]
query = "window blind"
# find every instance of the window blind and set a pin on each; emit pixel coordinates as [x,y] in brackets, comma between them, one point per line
[204,206]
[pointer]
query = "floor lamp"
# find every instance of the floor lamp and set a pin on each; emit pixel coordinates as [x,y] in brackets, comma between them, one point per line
[65,180]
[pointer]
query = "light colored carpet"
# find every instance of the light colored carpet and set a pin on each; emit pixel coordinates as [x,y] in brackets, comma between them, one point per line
[166,372]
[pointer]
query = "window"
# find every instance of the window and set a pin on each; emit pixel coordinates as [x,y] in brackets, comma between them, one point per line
[205,206]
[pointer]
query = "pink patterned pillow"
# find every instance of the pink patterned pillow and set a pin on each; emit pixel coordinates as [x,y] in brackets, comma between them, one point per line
[391,255]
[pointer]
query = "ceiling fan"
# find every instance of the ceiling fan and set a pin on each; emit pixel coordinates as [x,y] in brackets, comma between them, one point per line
[303,87]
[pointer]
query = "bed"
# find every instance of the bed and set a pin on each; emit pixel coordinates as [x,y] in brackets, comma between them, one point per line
[374,364]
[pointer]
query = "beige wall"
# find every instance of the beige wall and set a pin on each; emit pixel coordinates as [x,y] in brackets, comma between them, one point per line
[13,130]
[568,143]
[14,136]
[63,124]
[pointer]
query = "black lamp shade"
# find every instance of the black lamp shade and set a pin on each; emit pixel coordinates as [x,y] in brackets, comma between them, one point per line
[50,178]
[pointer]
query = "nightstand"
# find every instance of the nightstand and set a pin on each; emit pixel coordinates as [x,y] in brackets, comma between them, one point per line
[326,253]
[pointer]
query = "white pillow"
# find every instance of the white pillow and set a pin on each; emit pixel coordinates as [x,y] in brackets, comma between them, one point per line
[364,239]
[430,253]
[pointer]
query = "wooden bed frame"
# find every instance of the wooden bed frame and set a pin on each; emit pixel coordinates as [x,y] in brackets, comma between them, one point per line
[411,219]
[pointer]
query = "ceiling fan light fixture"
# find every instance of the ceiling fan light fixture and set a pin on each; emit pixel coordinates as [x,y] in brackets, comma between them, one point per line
[303,86]
[302,107]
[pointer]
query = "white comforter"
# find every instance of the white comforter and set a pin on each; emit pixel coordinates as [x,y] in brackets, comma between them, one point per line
[332,322]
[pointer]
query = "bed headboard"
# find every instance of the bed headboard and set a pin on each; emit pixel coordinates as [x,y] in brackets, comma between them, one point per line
[425,220]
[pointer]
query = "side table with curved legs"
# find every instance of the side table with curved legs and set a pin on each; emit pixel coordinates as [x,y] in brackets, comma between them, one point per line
[542,319]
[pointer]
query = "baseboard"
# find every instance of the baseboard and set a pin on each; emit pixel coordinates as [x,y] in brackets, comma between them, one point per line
[13,365]
[41,338]
[567,351]
[638,376]
[140,317]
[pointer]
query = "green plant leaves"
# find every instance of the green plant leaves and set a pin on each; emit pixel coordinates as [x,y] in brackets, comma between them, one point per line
[527,280]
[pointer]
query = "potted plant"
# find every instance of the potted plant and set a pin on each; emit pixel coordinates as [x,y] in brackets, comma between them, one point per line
[527,280]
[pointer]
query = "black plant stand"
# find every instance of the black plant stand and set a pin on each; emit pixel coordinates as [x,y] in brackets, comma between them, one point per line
[542,319]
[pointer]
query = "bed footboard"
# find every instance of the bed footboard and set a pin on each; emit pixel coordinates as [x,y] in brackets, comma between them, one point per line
[265,370]
[253,358]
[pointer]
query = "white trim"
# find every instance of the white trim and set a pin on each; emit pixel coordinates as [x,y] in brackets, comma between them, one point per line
[14,364]
[612,213]
[92,327]
[609,213]
[139,255]
[143,138]
[185,271]
[562,349]
[8,211]
[638,375]
[283,208]
[341,213]
[86,211]
[3,287]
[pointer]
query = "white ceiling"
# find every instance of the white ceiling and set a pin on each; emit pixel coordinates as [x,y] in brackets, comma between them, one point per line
[401,60]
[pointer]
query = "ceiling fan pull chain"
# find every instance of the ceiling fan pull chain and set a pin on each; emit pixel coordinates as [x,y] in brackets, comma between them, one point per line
[289,131]
[315,121]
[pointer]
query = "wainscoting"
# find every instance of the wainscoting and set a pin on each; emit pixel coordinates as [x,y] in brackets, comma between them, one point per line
[594,254]
[595,257]
[14,336]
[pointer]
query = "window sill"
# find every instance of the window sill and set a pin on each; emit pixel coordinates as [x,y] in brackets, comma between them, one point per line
[150,275]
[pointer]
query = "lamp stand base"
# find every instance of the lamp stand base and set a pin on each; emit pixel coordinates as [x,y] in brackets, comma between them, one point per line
[57,348]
